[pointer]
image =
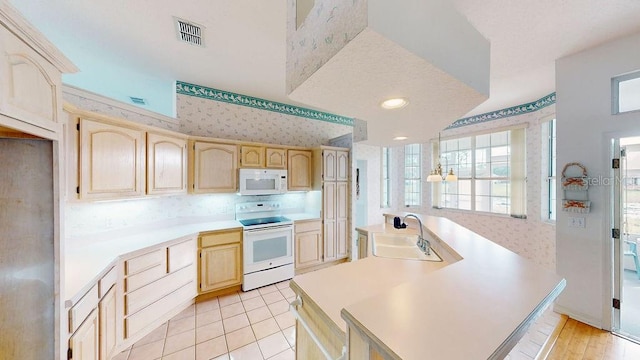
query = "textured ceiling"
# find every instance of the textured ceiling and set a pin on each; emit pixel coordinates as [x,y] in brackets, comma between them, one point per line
[129,47]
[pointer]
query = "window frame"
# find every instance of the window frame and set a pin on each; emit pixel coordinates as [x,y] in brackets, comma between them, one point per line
[413,194]
[550,154]
[615,92]
[442,188]
[385,178]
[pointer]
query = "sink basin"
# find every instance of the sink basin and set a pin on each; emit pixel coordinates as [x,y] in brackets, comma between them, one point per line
[400,246]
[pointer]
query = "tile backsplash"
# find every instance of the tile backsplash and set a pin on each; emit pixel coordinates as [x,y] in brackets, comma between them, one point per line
[83,219]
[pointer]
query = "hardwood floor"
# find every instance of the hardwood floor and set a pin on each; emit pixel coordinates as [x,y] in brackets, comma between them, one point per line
[581,341]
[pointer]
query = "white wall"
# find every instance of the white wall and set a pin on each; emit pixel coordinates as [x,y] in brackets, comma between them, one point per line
[533,238]
[585,123]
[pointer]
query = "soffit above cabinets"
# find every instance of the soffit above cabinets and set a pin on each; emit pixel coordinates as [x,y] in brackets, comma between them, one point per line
[353,56]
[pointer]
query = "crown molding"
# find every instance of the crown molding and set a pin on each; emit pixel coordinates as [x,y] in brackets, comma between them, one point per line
[500,114]
[19,26]
[262,104]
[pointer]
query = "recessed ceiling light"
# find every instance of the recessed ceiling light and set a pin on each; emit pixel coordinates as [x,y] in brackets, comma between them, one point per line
[400,138]
[394,103]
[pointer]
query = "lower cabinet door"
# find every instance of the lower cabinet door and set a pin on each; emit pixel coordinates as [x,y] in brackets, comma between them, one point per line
[220,267]
[308,249]
[83,344]
[108,324]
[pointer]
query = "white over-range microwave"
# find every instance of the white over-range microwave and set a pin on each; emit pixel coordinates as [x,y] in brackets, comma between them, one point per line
[262,181]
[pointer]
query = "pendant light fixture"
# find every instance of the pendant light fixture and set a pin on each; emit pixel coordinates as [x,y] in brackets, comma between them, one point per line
[436,174]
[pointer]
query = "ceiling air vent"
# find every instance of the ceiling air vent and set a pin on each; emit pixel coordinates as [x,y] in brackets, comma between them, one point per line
[189,32]
[138,101]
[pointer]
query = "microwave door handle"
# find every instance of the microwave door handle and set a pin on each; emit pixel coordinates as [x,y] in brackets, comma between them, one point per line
[270,230]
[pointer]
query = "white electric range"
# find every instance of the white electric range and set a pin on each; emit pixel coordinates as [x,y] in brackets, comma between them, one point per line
[267,244]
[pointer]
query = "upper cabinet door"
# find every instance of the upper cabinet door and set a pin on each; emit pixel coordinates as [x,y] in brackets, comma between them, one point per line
[342,165]
[29,90]
[112,161]
[276,158]
[166,164]
[329,165]
[215,167]
[252,156]
[299,169]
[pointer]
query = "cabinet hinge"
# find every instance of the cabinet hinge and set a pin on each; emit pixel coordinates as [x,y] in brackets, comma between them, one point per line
[615,163]
[69,354]
[616,304]
[77,189]
[200,285]
[78,126]
[615,233]
[623,152]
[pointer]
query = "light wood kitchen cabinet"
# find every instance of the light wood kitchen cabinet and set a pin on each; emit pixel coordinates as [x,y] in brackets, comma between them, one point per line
[156,281]
[108,321]
[333,174]
[275,158]
[335,165]
[331,336]
[214,167]
[342,165]
[300,167]
[112,160]
[31,68]
[252,156]
[363,245]
[220,260]
[166,164]
[84,343]
[308,243]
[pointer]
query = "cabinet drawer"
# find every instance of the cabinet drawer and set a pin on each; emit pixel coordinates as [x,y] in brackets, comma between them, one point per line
[143,278]
[150,293]
[181,255]
[155,311]
[145,261]
[107,281]
[304,226]
[220,238]
[83,308]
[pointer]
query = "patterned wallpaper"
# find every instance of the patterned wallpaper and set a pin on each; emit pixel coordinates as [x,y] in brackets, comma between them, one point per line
[204,117]
[532,238]
[330,25]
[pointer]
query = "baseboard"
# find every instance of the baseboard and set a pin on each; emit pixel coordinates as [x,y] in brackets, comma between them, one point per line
[546,348]
[596,323]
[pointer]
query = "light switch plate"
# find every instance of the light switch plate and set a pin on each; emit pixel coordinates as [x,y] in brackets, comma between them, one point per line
[577,222]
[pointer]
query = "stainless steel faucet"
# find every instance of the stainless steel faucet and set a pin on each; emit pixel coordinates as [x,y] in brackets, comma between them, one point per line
[423,244]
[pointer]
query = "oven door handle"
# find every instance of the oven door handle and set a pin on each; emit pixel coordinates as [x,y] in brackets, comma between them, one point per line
[270,229]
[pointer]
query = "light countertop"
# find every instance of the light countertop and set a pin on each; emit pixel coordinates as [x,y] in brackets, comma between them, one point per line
[474,306]
[88,258]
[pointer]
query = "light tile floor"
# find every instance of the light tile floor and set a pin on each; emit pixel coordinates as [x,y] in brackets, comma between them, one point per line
[253,325]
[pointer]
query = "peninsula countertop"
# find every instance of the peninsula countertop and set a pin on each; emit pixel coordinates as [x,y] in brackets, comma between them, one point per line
[475,306]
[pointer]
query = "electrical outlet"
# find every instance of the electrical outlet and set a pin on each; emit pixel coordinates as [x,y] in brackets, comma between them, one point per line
[577,222]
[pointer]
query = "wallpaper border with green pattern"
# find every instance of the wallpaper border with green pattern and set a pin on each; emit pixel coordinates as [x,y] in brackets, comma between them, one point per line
[184,88]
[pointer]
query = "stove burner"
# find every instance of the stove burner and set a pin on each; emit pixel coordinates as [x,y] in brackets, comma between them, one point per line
[264,220]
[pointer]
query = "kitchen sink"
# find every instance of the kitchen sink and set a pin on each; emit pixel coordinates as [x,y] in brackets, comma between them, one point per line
[400,246]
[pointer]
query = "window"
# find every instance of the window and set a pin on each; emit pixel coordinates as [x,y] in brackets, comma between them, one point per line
[412,175]
[490,169]
[626,92]
[385,196]
[549,198]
